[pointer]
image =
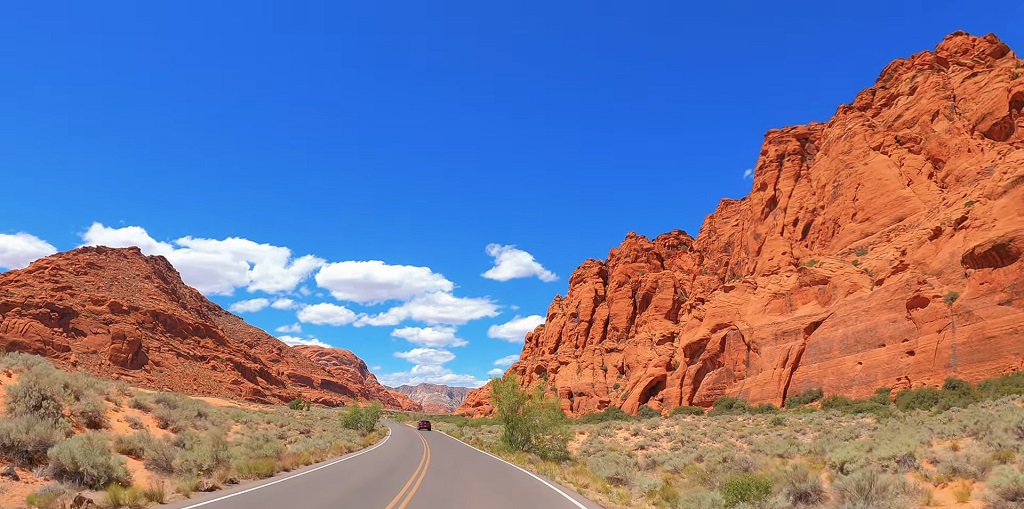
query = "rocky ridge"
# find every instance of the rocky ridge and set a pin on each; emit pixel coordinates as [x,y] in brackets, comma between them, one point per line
[435,398]
[880,249]
[119,314]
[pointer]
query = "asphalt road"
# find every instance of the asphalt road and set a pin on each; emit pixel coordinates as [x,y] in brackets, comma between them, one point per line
[408,470]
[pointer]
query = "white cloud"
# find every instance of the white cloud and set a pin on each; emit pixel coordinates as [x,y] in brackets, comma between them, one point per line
[249,306]
[375,281]
[295,341]
[507,360]
[426,356]
[512,263]
[290,329]
[285,304]
[749,173]
[430,374]
[434,308]
[430,336]
[21,249]
[216,267]
[326,314]
[495,372]
[514,331]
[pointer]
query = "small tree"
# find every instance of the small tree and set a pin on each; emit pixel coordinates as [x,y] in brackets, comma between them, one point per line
[363,419]
[531,421]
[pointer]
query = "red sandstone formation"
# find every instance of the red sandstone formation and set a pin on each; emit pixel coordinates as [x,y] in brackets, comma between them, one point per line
[435,398]
[352,372]
[120,314]
[882,249]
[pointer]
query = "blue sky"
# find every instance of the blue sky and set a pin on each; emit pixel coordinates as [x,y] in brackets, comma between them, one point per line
[361,168]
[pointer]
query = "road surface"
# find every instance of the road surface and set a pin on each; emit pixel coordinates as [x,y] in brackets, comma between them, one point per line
[408,470]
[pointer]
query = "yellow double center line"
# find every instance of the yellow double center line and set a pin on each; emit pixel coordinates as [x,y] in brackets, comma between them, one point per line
[414,482]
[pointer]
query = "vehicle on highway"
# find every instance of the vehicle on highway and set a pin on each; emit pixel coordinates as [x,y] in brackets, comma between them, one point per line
[423,425]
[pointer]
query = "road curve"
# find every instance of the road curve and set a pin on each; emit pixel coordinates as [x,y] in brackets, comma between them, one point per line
[408,470]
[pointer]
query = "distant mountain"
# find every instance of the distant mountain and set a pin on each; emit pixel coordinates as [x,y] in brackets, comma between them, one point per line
[120,314]
[436,399]
[884,248]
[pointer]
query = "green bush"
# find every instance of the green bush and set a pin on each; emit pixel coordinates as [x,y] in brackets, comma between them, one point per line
[24,439]
[255,468]
[86,460]
[1007,385]
[856,406]
[53,496]
[612,413]
[177,412]
[804,398]
[746,488]
[201,453]
[925,398]
[300,404]
[37,393]
[729,405]
[646,412]
[957,393]
[1007,484]
[687,410]
[160,456]
[531,421]
[364,419]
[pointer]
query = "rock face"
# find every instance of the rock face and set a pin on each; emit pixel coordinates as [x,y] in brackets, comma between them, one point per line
[120,314]
[435,399]
[352,372]
[882,249]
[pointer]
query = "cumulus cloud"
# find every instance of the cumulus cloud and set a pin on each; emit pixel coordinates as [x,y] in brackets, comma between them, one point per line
[216,267]
[495,372]
[749,173]
[426,356]
[249,306]
[296,341]
[326,314]
[514,331]
[285,304]
[429,374]
[290,329]
[512,263]
[375,281]
[21,249]
[434,308]
[430,336]
[506,361]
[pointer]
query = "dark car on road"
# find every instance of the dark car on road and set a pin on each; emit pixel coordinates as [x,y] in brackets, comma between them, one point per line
[423,425]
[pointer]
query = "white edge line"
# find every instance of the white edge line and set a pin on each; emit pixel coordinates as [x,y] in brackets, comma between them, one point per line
[527,472]
[254,488]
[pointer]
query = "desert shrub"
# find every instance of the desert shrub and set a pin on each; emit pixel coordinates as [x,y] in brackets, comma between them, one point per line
[134,445]
[612,413]
[178,413]
[362,419]
[1006,385]
[856,406]
[925,398]
[686,410]
[140,403]
[201,453]
[870,488]
[956,393]
[37,393]
[155,493]
[255,468]
[86,460]
[729,405]
[764,408]
[804,398]
[801,486]
[646,412]
[299,404]
[966,463]
[120,496]
[1007,487]
[701,500]
[746,488]
[24,439]
[134,422]
[531,421]
[615,467]
[160,456]
[52,496]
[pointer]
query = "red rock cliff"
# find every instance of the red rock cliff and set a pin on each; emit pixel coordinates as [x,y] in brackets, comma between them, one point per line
[120,314]
[882,249]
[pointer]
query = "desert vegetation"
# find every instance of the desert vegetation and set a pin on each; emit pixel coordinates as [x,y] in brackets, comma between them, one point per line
[73,434]
[929,447]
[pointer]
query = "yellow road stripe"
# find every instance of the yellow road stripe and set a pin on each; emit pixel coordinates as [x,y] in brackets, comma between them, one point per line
[422,475]
[420,471]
